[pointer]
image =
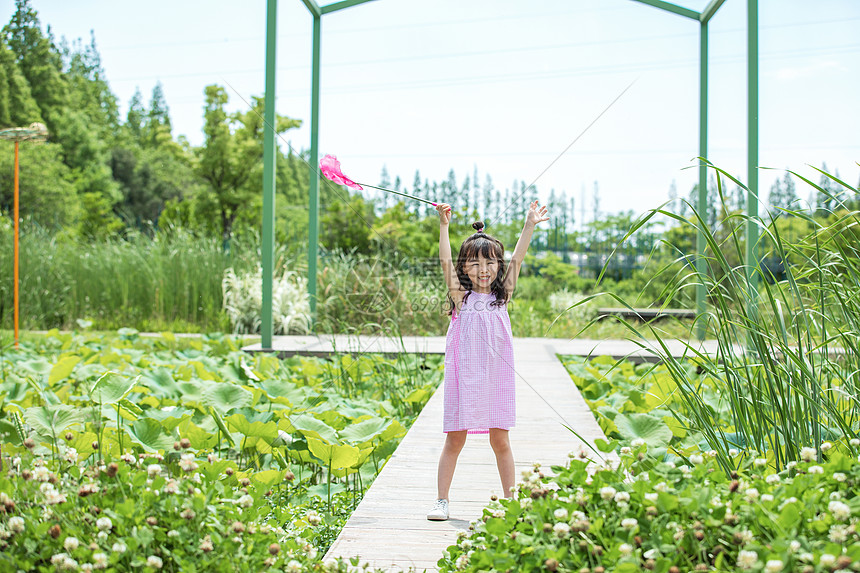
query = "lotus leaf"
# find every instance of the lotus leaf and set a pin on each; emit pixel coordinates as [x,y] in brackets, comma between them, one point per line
[334,456]
[149,433]
[653,430]
[225,397]
[50,421]
[111,388]
[62,369]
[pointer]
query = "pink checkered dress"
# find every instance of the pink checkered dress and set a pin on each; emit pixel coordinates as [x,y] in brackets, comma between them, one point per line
[479,368]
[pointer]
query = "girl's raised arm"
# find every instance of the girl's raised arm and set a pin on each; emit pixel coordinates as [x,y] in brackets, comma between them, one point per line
[445,248]
[536,214]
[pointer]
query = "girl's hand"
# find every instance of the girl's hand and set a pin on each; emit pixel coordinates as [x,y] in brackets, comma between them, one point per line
[444,213]
[536,214]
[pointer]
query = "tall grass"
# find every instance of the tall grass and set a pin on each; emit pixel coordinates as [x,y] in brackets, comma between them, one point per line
[169,282]
[788,361]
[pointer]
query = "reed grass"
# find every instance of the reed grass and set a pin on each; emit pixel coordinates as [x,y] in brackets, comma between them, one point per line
[788,360]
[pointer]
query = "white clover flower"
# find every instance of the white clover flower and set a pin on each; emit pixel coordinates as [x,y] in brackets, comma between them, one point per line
[806,556]
[760,462]
[696,459]
[466,544]
[58,559]
[839,533]
[129,459]
[561,529]
[808,454]
[835,495]
[766,498]
[733,452]
[71,543]
[629,523]
[607,492]
[173,533]
[499,513]
[187,463]
[462,534]
[661,487]
[626,549]
[747,559]
[840,510]
[246,501]
[533,478]
[651,497]
[560,514]
[119,547]
[794,546]
[41,473]
[71,455]
[622,497]
[826,560]
[637,443]
[69,564]
[772,478]
[330,565]
[854,442]
[751,494]
[16,524]
[625,451]
[87,567]
[54,497]
[840,477]
[826,446]
[526,502]
[100,560]
[313,518]
[102,535]
[773,566]
[104,523]
[154,561]
[815,470]
[188,514]
[746,536]
[153,470]
[462,562]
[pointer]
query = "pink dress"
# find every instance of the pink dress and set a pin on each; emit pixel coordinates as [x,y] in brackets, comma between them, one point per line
[479,367]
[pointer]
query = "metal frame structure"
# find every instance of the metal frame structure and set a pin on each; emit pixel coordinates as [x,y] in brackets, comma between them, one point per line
[317,13]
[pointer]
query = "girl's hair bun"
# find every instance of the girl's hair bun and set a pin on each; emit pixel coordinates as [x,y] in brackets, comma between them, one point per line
[478,226]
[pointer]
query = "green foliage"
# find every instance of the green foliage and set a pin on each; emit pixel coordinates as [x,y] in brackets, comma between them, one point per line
[47,194]
[231,158]
[347,222]
[640,515]
[191,451]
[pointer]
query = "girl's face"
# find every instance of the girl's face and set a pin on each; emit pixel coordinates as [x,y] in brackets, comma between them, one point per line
[482,272]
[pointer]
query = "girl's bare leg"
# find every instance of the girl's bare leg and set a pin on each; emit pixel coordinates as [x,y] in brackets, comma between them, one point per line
[454,443]
[501,445]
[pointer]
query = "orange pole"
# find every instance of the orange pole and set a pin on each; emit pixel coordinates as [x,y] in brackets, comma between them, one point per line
[15,248]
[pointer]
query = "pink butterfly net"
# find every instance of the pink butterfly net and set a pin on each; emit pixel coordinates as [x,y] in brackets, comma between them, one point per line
[330,168]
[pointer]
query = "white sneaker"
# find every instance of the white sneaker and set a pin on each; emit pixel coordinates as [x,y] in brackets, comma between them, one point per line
[439,511]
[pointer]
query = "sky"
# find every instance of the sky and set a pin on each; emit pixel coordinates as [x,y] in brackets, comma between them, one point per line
[503,87]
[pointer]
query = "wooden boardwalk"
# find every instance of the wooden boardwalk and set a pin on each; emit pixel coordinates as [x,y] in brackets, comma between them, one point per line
[389,529]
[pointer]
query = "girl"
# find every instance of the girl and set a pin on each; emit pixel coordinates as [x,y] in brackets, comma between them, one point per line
[479,357]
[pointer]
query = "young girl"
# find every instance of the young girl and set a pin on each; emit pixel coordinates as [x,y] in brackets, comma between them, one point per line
[479,356]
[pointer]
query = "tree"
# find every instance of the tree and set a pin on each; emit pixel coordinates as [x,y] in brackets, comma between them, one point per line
[47,194]
[347,224]
[231,157]
[39,61]
[17,106]
[135,118]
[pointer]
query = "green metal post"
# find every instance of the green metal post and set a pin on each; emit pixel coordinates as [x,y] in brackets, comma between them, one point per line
[752,146]
[701,262]
[314,207]
[269,154]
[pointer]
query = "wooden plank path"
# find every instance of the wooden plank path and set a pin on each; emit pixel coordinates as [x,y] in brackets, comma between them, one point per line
[389,529]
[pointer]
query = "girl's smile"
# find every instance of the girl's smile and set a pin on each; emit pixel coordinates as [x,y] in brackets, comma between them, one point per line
[482,272]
